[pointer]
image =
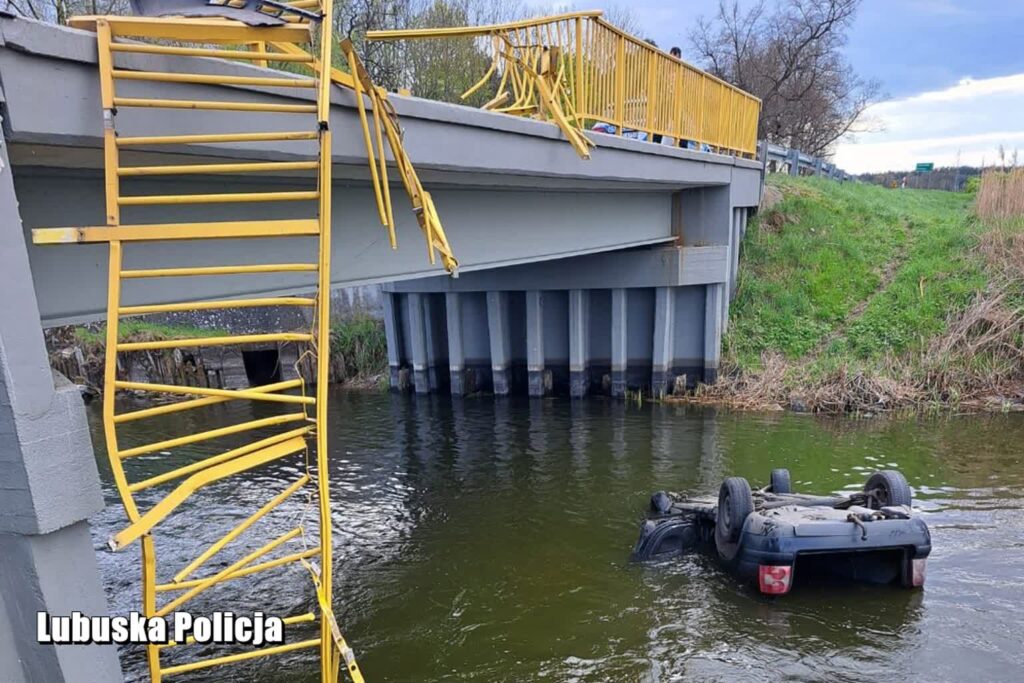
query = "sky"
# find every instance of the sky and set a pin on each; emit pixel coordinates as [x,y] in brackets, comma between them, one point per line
[951,71]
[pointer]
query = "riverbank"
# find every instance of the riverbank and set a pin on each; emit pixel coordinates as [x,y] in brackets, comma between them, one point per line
[358,354]
[858,298]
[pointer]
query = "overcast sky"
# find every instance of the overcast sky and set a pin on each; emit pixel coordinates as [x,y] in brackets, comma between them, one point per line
[952,71]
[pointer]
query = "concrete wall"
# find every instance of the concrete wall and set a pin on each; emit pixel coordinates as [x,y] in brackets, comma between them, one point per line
[48,484]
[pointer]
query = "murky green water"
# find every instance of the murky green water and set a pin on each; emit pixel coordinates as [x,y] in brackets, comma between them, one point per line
[488,540]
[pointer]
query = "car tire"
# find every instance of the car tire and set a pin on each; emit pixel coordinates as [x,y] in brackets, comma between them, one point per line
[780,481]
[888,487]
[735,503]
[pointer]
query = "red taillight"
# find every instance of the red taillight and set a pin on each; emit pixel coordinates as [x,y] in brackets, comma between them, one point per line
[917,572]
[774,579]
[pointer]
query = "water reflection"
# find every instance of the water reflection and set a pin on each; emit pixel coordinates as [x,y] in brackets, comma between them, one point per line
[488,539]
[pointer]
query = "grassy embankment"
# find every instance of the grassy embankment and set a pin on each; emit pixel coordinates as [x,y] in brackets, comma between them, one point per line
[855,297]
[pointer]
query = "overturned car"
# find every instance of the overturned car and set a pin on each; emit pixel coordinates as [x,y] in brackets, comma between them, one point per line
[772,536]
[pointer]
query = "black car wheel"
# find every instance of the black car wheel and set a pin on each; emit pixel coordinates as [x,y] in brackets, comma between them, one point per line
[780,481]
[735,503]
[887,487]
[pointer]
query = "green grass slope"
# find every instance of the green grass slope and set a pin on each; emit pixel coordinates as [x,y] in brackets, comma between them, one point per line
[844,281]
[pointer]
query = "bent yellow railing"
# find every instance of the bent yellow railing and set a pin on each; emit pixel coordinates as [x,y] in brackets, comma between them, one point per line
[298,430]
[575,69]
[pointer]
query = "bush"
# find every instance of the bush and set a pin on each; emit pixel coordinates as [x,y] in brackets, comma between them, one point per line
[359,348]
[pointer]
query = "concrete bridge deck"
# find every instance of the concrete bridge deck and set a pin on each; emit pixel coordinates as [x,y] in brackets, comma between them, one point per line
[509,190]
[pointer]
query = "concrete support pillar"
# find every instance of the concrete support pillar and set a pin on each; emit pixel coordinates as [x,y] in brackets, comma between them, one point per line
[393,335]
[664,340]
[677,216]
[456,356]
[535,365]
[434,343]
[498,332]
[49,484]
[579,342]
[418,343]
[737,239]
[620,337]
[712,331]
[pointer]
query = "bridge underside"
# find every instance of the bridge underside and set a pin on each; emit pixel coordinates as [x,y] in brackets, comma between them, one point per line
[640,319]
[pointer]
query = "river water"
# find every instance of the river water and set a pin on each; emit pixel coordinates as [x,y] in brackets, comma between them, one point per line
[488,540]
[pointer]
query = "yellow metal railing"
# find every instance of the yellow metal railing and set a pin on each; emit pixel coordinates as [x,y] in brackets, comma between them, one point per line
[576,68]
[298,431]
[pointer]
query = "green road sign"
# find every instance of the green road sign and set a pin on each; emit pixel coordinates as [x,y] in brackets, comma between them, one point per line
[925,167]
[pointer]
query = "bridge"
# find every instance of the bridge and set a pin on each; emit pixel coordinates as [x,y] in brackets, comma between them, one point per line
[654,225]
[574,275]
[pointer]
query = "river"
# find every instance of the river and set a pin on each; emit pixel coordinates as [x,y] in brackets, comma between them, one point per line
[489,540]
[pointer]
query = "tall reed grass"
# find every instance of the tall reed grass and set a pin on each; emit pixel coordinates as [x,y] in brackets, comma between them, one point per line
[359,348]
[1001,195]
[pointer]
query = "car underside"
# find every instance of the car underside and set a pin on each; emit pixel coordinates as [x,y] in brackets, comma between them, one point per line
[775,537]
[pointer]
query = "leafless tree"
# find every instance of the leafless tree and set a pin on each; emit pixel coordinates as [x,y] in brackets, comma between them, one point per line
[789,55]
[384,60]
[59,11]
[625,17]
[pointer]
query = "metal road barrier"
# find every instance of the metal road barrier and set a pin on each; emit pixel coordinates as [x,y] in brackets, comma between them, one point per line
[298,431]
[779,159]
[576,69]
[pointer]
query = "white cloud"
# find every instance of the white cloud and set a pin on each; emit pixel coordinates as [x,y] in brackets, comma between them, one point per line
[972,117]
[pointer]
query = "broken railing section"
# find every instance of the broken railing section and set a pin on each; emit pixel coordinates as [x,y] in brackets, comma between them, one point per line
[574,69]
[385,126]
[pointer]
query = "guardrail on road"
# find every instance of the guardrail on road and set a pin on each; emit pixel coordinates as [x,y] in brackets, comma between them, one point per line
[778,159]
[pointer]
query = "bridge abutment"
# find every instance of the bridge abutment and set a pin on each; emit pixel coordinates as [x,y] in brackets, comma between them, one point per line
[50,485]
[642,320]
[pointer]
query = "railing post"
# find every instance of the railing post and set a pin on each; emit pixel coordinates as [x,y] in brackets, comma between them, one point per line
[677,104]
[620,81]
[652,58]
[579,70]
[702,105]
[794,162]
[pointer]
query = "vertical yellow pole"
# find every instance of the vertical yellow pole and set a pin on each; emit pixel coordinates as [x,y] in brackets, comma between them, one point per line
[677,101]
[328,665]
[260,46]
[702,106]
[652,86]
[111,195]
[110,157]
[578,84]
[620,81]
[111,190]
[149,602]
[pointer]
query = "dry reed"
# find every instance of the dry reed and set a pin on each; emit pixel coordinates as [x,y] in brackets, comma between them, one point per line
[1001,195]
